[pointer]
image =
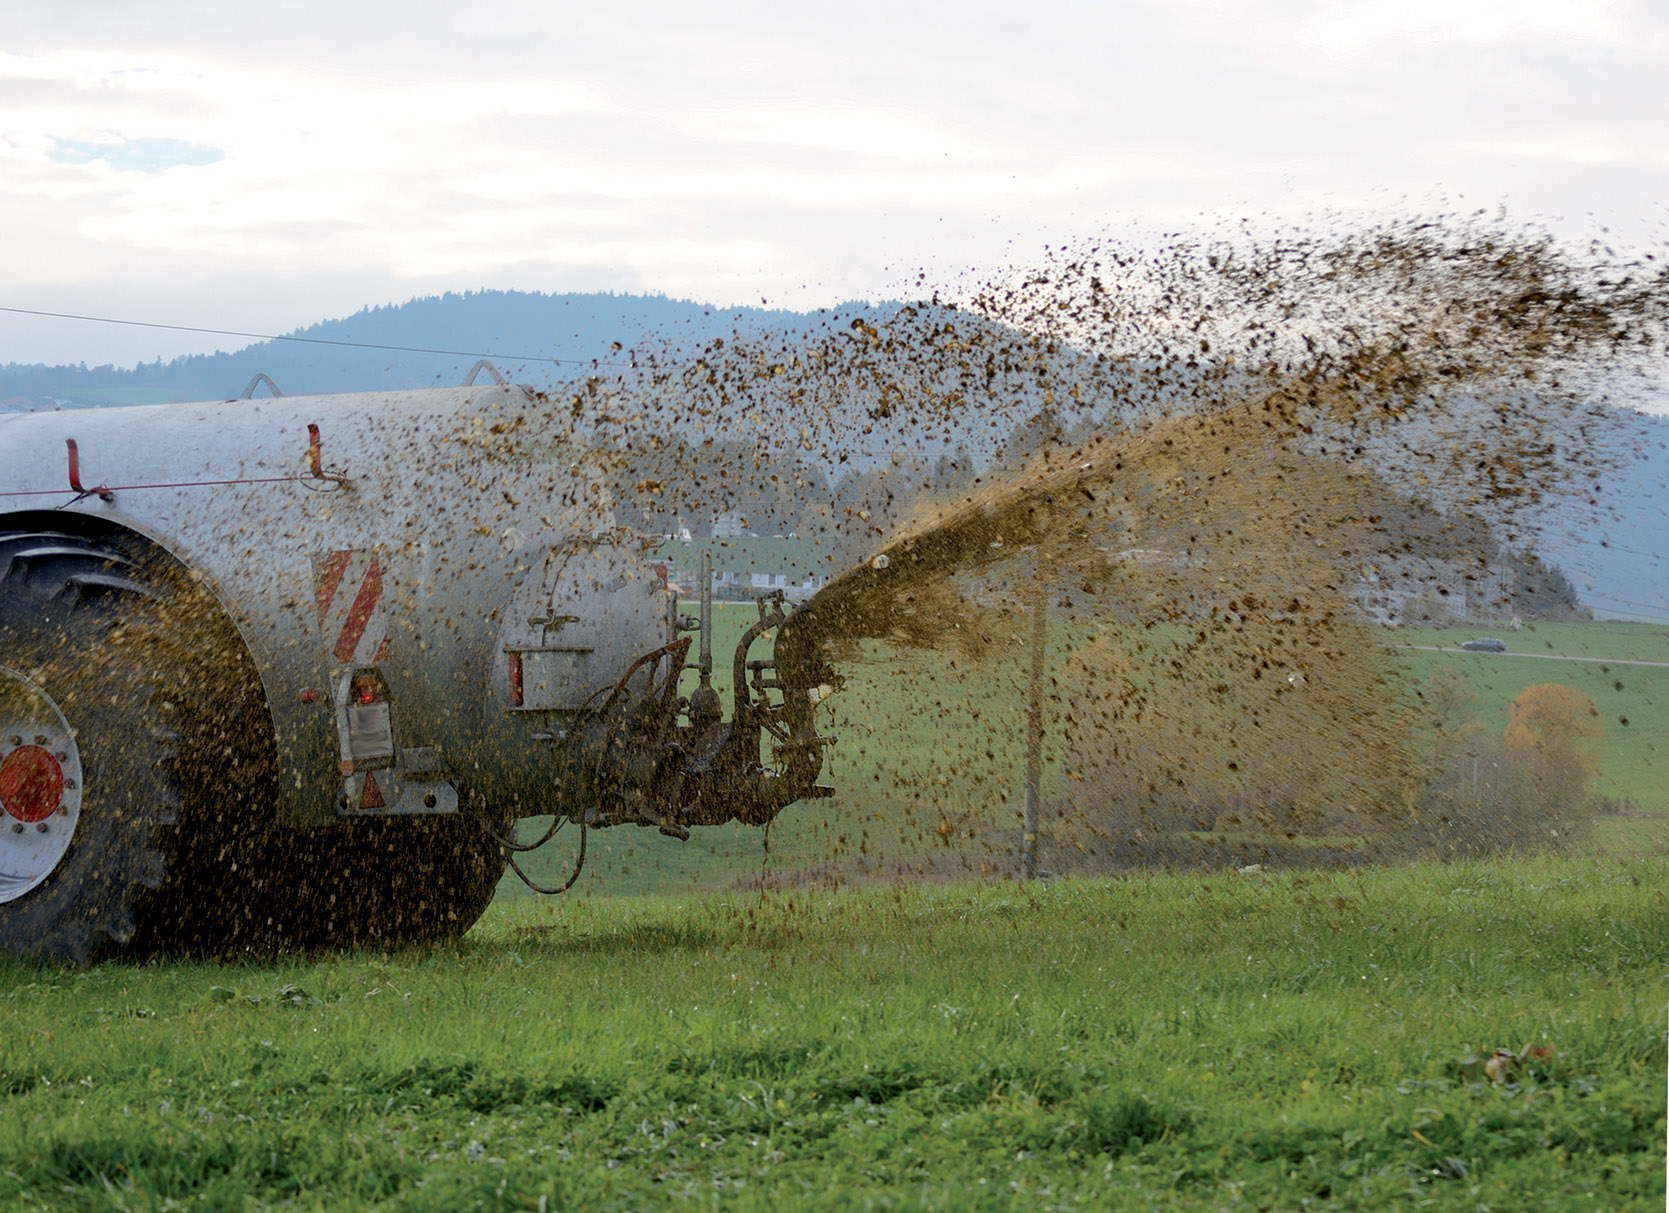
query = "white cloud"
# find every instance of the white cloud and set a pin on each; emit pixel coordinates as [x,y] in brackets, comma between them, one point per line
[1381,26]
[1577,146]
[858,130]
[748,149]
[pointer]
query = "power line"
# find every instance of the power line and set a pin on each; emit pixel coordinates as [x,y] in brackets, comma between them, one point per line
[1617,547]
[358,345]
[1650,606]
[1648,610]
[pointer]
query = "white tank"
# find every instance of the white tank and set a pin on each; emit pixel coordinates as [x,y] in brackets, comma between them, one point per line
[396,606]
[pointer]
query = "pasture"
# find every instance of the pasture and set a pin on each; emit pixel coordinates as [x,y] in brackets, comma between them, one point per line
[668,1037]
[923,742]
[1632,699]
[1271,1041]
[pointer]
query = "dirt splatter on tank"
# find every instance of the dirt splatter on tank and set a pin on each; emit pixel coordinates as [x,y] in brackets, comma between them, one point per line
[285,671]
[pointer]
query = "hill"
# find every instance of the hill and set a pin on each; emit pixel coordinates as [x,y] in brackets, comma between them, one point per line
[1605,535]
[532,337]
[1612,545]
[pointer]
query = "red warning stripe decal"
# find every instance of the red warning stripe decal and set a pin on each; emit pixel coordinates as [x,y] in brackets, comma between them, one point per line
[359,615]
[330,580]
[370,796]
[354,627]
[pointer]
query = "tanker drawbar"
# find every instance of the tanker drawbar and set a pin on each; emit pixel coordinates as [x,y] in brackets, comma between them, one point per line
[286,672]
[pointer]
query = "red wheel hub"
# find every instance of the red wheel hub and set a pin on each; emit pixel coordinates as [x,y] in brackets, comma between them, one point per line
[31,783]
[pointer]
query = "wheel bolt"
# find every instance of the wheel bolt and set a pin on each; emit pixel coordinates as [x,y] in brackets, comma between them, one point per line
[69,783]
[15,741]
[63,810]
[61,756]
[17,827]
[40,827]
[40,739]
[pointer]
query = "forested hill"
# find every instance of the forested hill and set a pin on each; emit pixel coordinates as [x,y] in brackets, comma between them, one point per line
[522,331]
[1609,539]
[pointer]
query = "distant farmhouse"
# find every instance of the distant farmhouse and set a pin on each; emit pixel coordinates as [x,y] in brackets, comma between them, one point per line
[1408,589]
[747,566]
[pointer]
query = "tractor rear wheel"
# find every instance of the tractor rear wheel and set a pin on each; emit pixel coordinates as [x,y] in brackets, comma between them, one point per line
[119,682]
[382,881]
[83,782]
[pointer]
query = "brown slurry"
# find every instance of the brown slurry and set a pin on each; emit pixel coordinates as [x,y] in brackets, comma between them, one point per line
[1209,446]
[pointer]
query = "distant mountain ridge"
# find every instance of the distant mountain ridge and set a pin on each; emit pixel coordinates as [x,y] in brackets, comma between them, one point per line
[1613,548]
[1616,551]
[530,336]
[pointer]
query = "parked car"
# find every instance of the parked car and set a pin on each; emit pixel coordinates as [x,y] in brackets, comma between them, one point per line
[1485,644]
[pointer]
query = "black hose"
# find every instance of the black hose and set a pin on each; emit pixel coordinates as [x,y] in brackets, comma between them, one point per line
[563,888]
[510,844]
[677,650]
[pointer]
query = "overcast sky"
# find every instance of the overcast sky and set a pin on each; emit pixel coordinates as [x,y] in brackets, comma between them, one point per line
[262,167]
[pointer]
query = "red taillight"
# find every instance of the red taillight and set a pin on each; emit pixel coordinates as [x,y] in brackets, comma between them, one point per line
[516,679]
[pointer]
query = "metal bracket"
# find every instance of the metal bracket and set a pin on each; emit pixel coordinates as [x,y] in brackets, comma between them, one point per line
[102,492]
[260,378]
[483,365]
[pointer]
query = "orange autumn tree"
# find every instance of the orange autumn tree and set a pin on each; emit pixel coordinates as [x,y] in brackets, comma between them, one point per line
[1556,733]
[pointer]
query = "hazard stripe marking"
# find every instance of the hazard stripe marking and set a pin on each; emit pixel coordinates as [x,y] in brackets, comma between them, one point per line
[330,579]
[359,615]
[348,591]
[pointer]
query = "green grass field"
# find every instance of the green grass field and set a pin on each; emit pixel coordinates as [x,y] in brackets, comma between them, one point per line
[920,744]
[1277,1042]
[134,395]
[1632,699]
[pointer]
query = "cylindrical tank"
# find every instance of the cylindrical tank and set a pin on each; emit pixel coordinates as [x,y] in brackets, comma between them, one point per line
[388,605]
[404,554]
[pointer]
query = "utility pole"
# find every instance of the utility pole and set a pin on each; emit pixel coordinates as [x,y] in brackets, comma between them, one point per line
[1034,719]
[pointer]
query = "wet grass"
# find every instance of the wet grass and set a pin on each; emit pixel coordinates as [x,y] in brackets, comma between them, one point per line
[1278,1041]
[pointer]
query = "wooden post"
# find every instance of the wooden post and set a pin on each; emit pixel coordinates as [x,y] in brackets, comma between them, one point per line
[1034,720]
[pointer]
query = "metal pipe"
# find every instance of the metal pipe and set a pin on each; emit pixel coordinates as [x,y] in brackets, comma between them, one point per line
[739,666]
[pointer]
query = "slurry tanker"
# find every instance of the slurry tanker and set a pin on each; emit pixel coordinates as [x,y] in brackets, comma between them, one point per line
[286,671]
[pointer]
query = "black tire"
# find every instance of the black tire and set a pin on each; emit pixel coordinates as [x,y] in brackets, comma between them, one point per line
[64,605]
[382,881]
[157,688]
[175,848]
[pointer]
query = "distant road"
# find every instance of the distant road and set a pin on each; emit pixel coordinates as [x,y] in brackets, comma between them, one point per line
[1432,648]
